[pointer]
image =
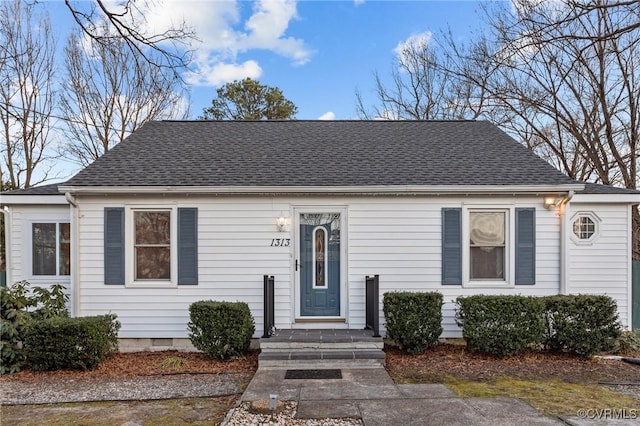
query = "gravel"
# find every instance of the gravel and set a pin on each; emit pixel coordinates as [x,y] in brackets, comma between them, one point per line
[631,390]
[242,416]
[139,388]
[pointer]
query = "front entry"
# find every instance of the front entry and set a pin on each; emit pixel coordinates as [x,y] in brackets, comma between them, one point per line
[319,264]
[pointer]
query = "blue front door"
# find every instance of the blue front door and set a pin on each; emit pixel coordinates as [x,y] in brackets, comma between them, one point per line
[319,264]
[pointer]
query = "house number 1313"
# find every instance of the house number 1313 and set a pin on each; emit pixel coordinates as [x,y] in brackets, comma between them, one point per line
[280,242]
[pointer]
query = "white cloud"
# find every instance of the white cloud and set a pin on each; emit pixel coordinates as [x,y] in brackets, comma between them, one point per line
[358,2]
[329,115]
[414,42]
[223,34]
[267,26]
[217,73]
[212,21]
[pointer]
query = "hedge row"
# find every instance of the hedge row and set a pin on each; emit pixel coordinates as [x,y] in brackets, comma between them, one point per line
[581,324]
[79,343]
[20,306]
[500,325]
[221,329]
[505,325]
[414,320]
[36,330]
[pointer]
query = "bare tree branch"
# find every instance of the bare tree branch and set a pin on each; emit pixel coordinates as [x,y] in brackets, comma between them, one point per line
[27,94]
[167,49]
[561,77]
[105,98]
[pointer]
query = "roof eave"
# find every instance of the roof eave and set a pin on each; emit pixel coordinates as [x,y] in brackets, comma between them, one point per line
[613,197]
[41,199]
[326,190]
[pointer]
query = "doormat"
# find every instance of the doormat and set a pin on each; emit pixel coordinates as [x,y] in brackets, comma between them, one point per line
[313,374]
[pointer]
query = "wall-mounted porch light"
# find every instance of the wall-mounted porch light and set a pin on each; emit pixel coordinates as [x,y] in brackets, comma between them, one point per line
[281,223]
[551,201]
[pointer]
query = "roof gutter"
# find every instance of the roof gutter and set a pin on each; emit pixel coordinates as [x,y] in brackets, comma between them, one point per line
[7,243]
[71,199]
[327,190]
[563,212]
[75,253]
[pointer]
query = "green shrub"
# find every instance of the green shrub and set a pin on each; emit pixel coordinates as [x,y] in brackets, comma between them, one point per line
[221,329]
[14,302]
[50,302]
[582,324]
[628,343]
[16,312]
[79,343]
[500,325]
[413,320]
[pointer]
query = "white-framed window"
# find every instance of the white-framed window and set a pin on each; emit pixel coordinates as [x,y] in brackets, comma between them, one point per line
[488,250]
[151,251]
[487,245]
[585,227]
[50,249]
[152,244]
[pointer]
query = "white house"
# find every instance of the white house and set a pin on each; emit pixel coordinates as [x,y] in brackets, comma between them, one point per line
[183,211]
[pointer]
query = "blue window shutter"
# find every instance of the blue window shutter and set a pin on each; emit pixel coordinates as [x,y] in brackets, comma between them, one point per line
[187,246]
[452,246]
[525,246]
[114,245]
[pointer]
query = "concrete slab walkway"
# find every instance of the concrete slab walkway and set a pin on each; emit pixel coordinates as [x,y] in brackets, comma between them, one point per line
[370,395]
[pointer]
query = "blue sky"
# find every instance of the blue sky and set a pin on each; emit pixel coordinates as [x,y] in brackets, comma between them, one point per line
[317,52]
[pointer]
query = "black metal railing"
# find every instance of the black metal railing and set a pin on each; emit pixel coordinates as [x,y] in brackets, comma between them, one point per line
[372,302]
[269,306]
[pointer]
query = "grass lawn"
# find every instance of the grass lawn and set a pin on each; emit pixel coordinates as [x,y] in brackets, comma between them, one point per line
[554,397]
[557,384]
[193,411]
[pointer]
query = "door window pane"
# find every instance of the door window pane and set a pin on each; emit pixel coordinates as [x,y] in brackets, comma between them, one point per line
[44,248]
[152,245]
[320,256]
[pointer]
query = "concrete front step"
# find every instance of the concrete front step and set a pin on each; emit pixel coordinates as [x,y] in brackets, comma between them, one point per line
[321,348]
[270,346]
[340,337]
[322,359]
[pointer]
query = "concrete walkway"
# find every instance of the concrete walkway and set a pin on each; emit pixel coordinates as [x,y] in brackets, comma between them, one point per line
[370,395]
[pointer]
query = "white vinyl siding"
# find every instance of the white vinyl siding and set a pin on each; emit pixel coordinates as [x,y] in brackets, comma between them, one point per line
[398,238]
[407,255]
[233,255]
[20,229]
[603,265]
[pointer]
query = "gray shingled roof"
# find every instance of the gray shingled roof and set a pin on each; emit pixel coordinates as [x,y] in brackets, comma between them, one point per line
[596,188]
[318,153]
[51,189]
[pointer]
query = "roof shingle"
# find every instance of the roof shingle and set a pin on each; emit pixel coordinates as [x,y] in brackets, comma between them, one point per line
[50,189]
[318,153]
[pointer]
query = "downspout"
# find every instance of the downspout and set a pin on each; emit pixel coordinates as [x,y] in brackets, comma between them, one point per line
[6,212]
[75,290]
[563,212]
